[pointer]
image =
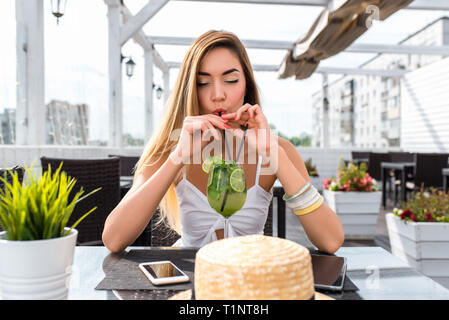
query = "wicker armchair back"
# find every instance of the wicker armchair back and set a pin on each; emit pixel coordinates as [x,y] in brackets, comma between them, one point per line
[91,174]
[127,164]
[18,169]
[4,172]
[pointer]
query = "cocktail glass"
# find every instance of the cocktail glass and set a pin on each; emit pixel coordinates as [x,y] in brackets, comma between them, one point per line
[226,189]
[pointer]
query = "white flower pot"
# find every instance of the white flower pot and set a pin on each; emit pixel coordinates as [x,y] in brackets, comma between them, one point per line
[357,211]
[423,245]
[36,269]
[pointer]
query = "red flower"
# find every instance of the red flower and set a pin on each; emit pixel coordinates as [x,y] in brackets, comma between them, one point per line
[405,214]
[429,217]
[413,217]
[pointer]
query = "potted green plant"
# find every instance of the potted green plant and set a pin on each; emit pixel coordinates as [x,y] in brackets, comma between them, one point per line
[419,233]
[36,246]
[355,197]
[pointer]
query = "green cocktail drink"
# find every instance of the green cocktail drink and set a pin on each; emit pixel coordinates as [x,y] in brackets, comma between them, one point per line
[226,188]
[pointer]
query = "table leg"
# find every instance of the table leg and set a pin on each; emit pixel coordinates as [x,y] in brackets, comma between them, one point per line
[403,174]
[384,186]
[278,193]
[281,218]
[445,183]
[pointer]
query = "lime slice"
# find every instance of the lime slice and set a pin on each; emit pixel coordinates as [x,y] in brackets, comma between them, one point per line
[237,180]
[209,179]
[207,164]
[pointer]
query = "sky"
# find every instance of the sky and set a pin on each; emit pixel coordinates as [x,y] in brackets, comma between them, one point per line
[76,55]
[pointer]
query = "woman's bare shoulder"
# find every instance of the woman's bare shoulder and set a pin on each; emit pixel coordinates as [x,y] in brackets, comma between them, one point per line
[148,168]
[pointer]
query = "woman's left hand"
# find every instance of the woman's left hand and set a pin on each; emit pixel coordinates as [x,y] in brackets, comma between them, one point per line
[259,135]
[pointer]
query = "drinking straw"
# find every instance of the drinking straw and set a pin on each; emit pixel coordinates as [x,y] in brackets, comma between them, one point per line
[241,143]
[226,141]
[229,155]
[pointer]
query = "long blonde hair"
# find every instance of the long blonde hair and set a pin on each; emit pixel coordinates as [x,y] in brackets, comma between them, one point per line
[183,102]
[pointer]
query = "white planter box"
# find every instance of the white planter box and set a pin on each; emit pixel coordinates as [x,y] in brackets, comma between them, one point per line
[423,245]
[358,212]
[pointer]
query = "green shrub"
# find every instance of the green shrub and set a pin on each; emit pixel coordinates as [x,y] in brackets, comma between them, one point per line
[427,205]
[39,208]
[351,178]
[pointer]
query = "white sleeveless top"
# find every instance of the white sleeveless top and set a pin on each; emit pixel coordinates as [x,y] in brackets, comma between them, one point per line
[199,221]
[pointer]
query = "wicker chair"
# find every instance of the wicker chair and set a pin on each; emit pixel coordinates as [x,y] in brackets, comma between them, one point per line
[5,173]
[127,164]
[374,164]
[18,169]
[360,154]
[427,171]
[91,174]
[161,234]
[402,156]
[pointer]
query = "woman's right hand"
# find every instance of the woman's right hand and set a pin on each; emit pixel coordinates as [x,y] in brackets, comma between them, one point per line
[195,134]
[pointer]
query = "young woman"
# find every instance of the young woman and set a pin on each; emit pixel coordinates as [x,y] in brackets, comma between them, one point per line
[216,92]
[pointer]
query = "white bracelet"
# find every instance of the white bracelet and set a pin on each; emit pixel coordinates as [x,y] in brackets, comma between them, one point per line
[303,200]
[300,201]
[309,204]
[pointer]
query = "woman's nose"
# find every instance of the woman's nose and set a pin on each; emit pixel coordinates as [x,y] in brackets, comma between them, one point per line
[218,94]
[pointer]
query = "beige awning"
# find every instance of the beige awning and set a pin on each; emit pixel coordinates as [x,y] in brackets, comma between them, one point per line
[332,32]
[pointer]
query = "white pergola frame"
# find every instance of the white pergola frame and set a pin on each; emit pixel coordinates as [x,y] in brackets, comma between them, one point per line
[123,26]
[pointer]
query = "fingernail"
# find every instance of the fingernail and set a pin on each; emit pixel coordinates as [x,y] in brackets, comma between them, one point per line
[225,120]
[226,126]
[235,118]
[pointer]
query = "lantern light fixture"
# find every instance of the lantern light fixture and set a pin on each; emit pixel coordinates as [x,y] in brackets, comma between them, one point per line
[58,8]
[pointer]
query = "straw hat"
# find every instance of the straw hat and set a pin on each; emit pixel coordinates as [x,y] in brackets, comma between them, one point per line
[253,267]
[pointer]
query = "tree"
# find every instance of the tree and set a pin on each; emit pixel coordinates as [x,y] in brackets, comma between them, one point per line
[303,140]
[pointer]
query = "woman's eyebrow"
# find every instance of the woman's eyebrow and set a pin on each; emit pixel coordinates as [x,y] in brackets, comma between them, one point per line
[201,73]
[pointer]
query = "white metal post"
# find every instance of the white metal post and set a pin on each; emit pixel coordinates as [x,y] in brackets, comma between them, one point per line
[30,116]
[166,77]
[148,94]
[115,75]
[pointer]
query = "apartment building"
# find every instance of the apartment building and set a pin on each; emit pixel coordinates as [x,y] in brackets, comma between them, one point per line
[365,111]
[67,124]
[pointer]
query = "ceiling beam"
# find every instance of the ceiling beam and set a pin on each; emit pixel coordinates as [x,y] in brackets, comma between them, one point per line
[326,70]
[429,5]
[140,38]
[286,45]
[355,71]
[398,49]
[135,23]
[256,67]
[159,62]
[253,44]
[315,3]
[415,5]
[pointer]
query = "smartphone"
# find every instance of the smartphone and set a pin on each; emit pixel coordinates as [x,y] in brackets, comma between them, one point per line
[329,272]
[163,272]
